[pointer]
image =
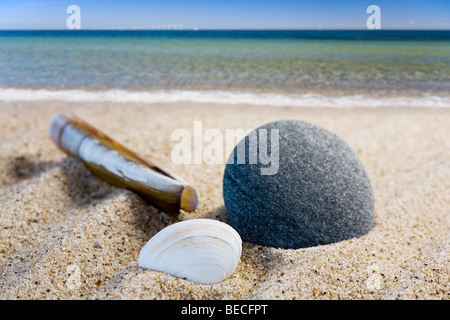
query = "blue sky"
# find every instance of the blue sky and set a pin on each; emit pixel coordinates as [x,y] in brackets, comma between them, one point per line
[225,14]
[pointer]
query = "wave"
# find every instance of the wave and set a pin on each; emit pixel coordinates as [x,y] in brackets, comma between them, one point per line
[221,97]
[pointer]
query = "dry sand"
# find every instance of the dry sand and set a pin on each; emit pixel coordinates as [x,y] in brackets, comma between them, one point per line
[64,234]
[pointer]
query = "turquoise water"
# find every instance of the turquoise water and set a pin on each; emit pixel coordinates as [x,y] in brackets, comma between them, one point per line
[254,61]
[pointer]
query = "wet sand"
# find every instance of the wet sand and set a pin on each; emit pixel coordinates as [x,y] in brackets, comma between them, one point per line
[64,234]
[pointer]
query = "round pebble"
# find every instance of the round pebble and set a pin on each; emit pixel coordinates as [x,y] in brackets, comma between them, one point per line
[297,187]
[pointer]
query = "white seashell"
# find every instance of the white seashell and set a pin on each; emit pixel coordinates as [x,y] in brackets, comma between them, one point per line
[205,251]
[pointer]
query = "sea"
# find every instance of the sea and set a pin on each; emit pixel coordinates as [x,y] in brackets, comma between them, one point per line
[299,68]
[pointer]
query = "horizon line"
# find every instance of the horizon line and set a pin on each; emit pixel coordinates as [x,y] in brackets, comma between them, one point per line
[220,29]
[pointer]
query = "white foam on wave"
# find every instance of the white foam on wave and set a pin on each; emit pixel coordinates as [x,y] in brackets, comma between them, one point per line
[222,97]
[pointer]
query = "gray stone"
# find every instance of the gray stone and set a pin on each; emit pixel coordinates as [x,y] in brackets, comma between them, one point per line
[320,194]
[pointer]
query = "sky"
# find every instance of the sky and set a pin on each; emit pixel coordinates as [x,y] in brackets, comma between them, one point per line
[224,14]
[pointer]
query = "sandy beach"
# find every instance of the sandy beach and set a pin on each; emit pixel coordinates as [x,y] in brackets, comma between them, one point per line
[64,234]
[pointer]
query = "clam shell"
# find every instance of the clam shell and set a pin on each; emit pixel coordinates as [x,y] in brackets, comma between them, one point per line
[204,251]
[118,165]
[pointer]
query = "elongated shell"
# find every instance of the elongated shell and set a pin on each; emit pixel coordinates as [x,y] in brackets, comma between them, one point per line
[121,167]
[204,251]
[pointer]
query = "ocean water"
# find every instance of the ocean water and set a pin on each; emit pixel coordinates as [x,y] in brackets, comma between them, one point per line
[300,68]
